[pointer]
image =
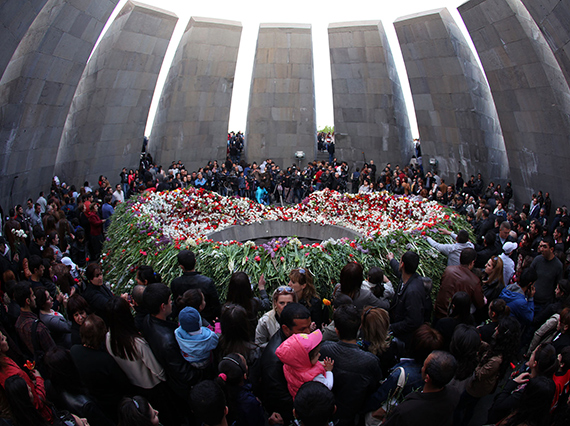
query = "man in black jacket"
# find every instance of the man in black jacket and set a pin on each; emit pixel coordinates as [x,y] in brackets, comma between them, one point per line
[407,312]
[192,279]
[356,372]
[159,333]
[295,319]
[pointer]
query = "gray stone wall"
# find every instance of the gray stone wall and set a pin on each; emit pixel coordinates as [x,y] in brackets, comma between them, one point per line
[370,115]
[456,116]
[16,16]
[276,229]
[553,19]
[105,127]
[530,93]
[191,122]
[281,113]
[37,88]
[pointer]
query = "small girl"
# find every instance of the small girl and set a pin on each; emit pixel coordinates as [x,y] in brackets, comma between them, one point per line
[196,342]
[300,357]
[244,409]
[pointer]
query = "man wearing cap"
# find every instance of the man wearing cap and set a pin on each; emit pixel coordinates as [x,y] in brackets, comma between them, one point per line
[508,263]
[452,251]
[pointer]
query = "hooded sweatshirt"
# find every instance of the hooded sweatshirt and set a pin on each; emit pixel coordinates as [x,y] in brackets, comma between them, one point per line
[297,366]
[521,307]
[196,349]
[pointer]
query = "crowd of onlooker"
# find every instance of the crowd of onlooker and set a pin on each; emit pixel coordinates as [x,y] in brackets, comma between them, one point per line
[490,346]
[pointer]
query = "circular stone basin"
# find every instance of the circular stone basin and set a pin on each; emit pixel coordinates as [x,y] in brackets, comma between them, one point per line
[275,228]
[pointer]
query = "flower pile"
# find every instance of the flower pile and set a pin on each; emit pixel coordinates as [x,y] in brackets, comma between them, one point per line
[152,228]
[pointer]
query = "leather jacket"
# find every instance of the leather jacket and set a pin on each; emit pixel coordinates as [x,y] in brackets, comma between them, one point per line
[273,390]
[180,375]
[193,279]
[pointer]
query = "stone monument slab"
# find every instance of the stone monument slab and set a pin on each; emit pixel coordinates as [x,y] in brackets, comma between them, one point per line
[281,114]
[457,120]
[34,101]
[105,127]
[372,121]
[530,92]
[198,90]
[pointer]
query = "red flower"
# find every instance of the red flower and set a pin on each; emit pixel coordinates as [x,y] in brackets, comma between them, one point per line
[257,259]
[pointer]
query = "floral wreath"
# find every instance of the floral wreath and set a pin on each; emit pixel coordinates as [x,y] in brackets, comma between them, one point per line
[152,228]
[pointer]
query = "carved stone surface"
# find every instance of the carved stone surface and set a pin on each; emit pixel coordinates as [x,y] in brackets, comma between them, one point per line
[369,109]
[456,116]
[16,16]
[276,229]
[281,115]
[37,88]
[191,122]
[530,93]
[105,127]
[553,19]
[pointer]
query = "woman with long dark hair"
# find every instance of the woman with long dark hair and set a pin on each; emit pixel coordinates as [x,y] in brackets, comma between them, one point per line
[22,407]
[498,310]
[493,282]
[57,324]
[9,368]
[533,408]
[494,360]
[458,313]
[130,350]
[236,335]
[146,275]
[464,346]
[240,293]
[137,411]
[542,363]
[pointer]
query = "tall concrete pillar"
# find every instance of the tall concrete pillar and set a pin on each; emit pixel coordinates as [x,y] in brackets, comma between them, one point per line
[37,88]
[281,114]
[553,19]
[16,16]
[370,117]
[191,122]
[105,127]
[530,93]
[457,120]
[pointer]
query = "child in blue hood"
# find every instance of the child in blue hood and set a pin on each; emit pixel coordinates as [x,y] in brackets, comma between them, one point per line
[196,342]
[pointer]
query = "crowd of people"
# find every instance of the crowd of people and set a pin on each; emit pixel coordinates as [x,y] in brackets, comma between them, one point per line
[385,352]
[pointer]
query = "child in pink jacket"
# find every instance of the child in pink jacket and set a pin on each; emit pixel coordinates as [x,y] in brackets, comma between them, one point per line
[300,357]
